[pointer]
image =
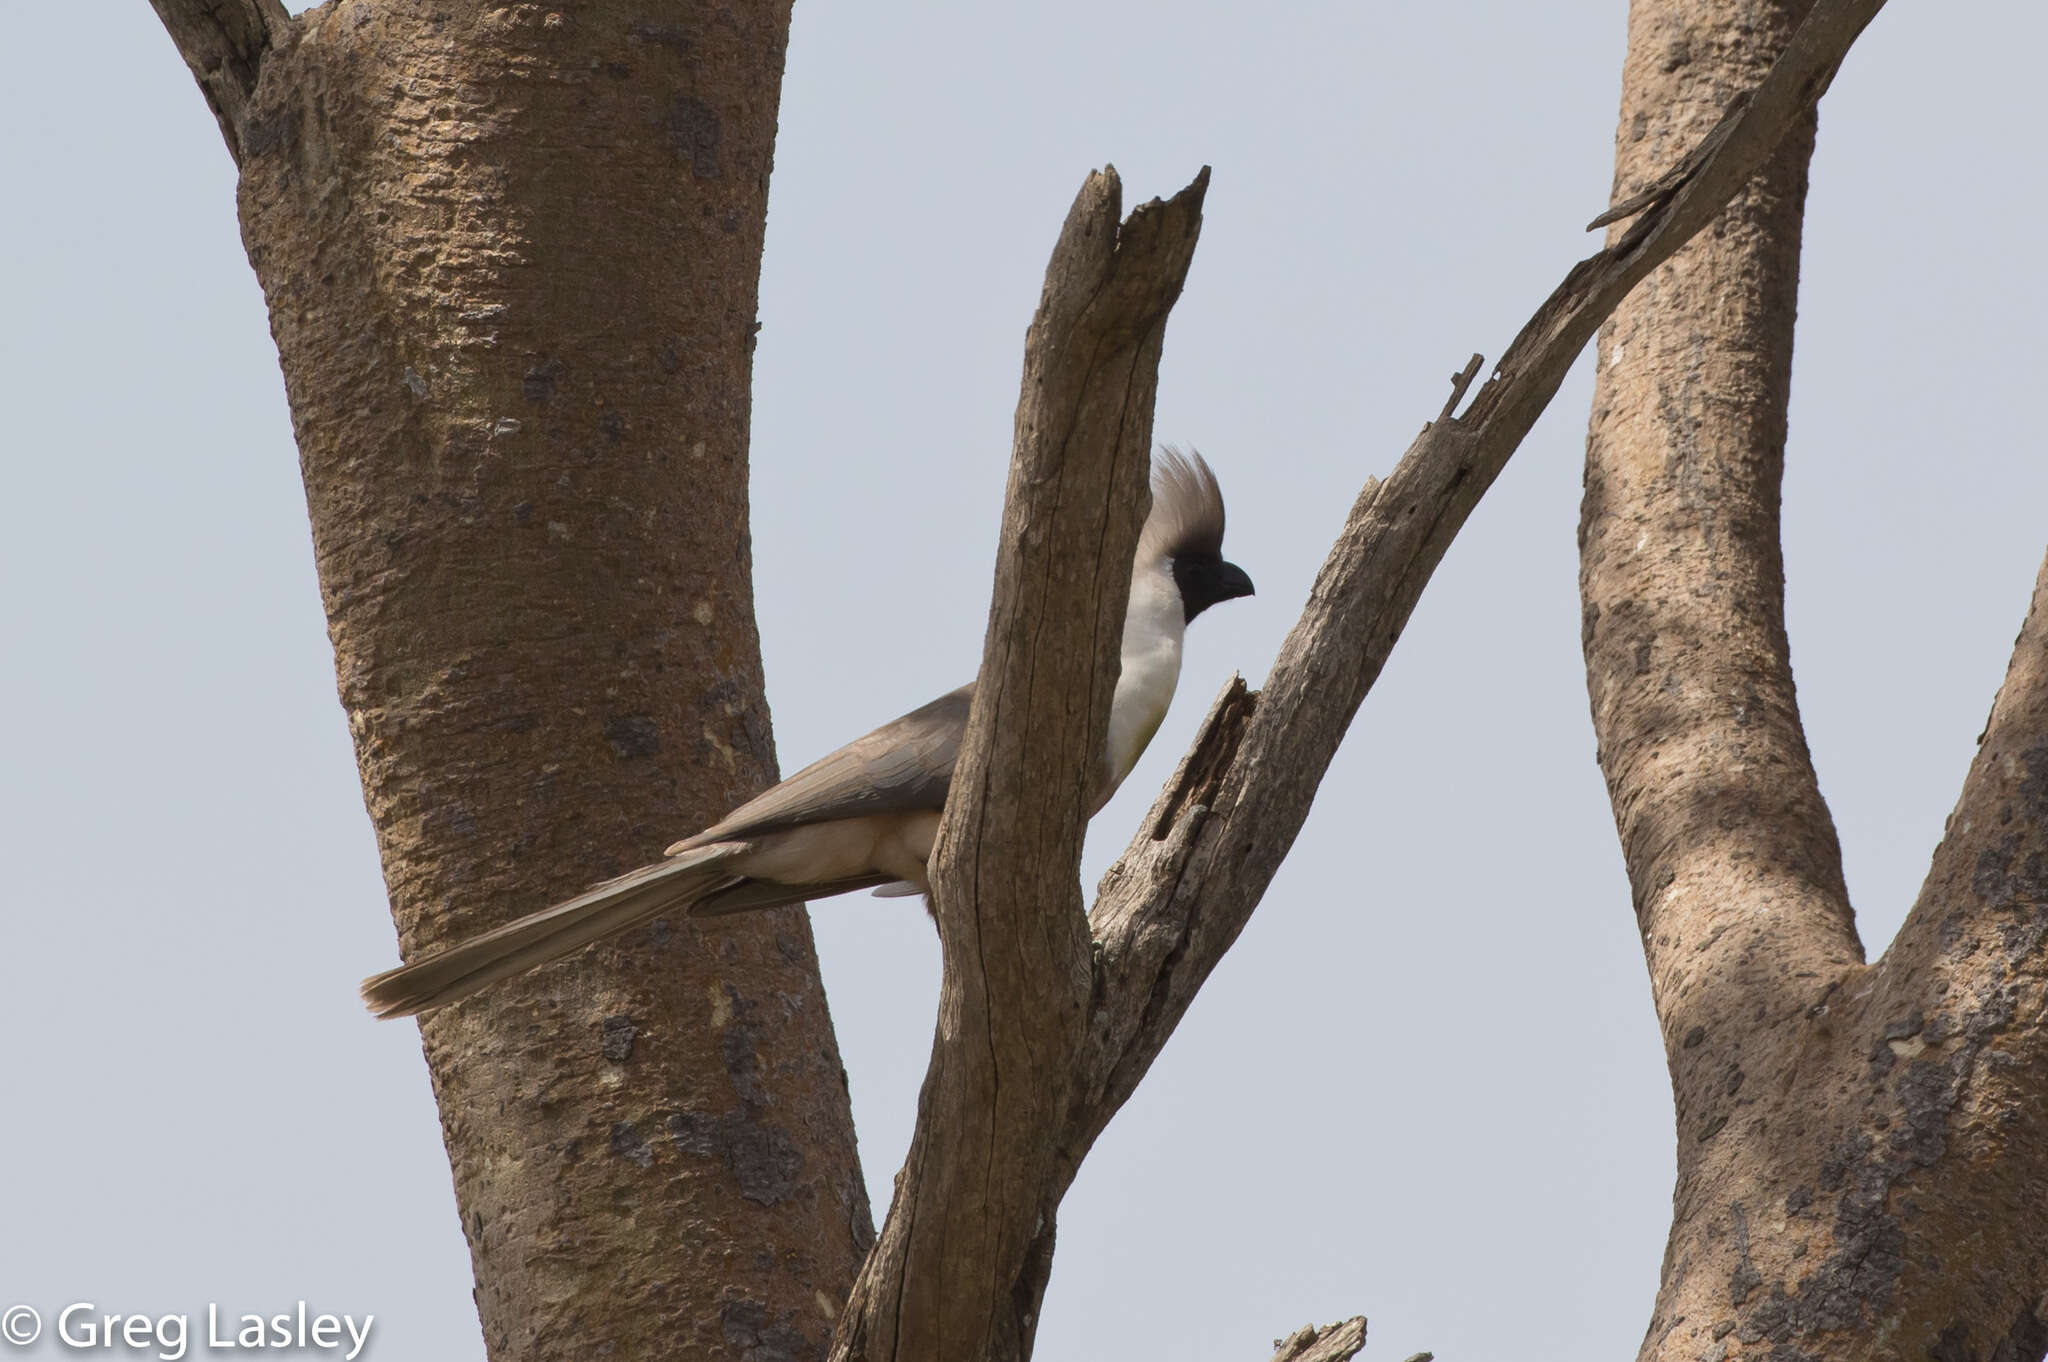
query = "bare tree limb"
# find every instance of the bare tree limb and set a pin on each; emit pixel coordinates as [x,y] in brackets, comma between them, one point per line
[1169,908]
[955,1255]
[1988,885]
[224,42]
[1331,1343]
[1714,793]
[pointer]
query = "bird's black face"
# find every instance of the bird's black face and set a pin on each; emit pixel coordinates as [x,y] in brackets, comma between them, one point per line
[1205,580]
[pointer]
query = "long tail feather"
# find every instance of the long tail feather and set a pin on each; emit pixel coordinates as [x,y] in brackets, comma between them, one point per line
[453,974]
[752,895]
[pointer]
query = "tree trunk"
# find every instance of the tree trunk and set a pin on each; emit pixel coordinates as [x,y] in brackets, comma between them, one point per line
[1853,1174]
[511,255]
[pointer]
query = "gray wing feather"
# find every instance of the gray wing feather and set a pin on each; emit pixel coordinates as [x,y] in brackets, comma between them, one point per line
[904,766]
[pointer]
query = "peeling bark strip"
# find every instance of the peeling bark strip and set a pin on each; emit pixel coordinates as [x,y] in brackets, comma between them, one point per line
[1188,882]
[510,254]
[1861,1164]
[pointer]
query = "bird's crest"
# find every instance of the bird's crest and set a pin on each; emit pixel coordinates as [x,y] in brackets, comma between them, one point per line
[1187,508]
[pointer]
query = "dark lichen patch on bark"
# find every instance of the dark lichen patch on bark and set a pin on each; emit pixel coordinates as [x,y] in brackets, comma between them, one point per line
[270,130]
[539,383]
[763,1159]
[694,131]
[756,1334]
[1745,1279]
[674,37]
[2025,1341]
[615,1038]
[2033,786]
[742,1063]
[631,1145]
[632,735]
[1911,1110]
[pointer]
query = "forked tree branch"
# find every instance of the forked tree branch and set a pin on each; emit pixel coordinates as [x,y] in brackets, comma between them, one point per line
[224,42]
[1859,1168]
[1017,989]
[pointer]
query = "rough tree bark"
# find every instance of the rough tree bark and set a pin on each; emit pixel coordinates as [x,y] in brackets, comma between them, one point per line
[510,254]
[1861,1171]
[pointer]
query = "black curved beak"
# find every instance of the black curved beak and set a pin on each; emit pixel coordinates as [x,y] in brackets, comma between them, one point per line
[1205,581]
[1232,581]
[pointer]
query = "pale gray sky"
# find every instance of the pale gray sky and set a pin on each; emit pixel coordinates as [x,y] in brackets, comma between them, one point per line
[1431,1091]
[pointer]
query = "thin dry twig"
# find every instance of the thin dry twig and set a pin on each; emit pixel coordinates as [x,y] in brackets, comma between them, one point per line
[1460,381]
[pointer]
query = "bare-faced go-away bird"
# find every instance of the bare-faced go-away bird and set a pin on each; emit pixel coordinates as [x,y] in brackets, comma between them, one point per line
[864,817]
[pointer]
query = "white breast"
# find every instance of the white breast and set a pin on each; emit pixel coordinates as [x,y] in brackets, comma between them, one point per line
[1153,626]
